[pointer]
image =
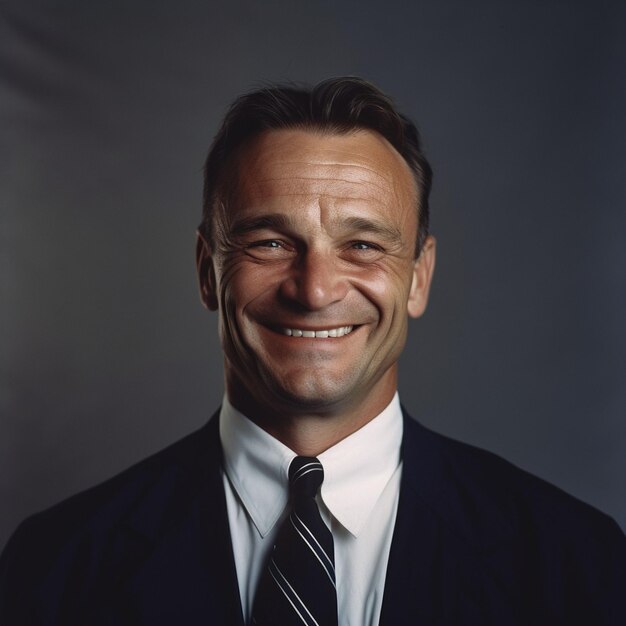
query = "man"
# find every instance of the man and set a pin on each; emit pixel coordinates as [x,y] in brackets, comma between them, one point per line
[309,498]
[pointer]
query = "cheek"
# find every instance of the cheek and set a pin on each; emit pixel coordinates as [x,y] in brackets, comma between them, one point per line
[387,288]
[245,288]
[232,292]
[241,282]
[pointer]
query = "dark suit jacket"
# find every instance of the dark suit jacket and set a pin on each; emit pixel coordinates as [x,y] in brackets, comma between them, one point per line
[476,541]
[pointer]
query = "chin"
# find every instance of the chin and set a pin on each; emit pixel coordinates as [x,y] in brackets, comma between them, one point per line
[311,391]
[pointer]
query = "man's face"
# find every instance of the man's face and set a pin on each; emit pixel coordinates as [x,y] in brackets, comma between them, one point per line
[313,270]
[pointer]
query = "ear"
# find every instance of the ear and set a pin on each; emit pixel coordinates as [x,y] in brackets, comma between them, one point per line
[206,273]
[423,270]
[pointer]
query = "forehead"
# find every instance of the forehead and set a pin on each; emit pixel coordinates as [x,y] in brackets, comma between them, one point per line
[345,168]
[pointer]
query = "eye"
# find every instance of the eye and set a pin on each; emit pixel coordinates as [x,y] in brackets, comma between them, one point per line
[365,246]
[269,249]
[363,251]
[268,243]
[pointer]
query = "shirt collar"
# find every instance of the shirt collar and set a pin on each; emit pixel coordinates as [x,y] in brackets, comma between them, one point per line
[356,470]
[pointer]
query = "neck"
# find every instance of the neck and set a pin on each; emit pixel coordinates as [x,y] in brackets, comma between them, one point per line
[309,432]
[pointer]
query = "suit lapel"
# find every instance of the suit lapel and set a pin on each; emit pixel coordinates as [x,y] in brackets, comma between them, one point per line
[181,568]
[436,572]
[411,595]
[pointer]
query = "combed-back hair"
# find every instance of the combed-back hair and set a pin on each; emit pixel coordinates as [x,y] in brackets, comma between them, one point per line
[337,105]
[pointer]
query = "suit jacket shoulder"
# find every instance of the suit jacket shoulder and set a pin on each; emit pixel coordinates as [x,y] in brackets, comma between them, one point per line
[98,556]
[501,493]
[498,543]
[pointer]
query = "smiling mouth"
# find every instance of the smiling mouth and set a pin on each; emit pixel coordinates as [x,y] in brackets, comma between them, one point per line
[326,333]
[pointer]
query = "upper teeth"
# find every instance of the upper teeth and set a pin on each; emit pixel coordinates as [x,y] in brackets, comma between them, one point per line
[329,332]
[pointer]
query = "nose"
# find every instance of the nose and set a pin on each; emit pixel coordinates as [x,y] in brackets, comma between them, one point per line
[316,280]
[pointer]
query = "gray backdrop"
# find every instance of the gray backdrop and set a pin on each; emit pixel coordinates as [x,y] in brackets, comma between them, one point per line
[106,111]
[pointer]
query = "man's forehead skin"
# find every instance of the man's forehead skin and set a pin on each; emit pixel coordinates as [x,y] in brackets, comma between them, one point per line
[339,172]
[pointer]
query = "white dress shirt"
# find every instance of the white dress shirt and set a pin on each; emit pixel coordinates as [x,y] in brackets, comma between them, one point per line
[358,502]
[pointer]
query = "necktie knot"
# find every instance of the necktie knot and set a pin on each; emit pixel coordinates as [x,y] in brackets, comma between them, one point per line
[305,476]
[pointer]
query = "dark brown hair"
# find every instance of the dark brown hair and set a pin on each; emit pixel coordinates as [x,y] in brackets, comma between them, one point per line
[337,105]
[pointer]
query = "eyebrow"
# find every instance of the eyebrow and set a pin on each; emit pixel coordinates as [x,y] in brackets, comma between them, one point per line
[271,220]
[280,221]
[362,224]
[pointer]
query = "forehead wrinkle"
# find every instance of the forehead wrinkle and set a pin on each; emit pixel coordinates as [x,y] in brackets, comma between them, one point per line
[321,179]
[281,153]
[325,198]
[342,165]
[325,201]
[354,172]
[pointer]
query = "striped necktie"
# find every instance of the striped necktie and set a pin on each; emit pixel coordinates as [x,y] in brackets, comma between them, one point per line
[298,586]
